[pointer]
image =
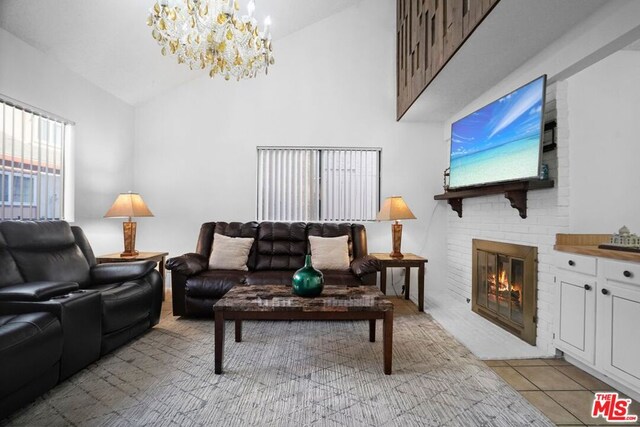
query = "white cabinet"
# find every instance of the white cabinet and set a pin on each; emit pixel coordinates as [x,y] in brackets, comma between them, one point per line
[619,321]
[576,315]
[575,326]
[598,314]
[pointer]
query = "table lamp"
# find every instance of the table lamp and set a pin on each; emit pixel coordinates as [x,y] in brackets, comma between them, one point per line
[393,209]
[128,205]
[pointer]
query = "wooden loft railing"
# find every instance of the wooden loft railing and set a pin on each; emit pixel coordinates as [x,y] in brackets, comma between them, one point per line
[429,32]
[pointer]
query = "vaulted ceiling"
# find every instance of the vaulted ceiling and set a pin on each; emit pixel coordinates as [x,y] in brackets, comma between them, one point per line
[109,43]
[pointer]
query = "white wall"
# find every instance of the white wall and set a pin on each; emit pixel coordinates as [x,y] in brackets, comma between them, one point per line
[491,218]
[333,84]
[103,133]
[604,102]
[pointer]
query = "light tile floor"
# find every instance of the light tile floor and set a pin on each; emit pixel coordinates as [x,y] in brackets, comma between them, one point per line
[561,391]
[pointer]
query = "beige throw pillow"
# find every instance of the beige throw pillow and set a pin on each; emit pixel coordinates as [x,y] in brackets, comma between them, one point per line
[230,253]
[330,253]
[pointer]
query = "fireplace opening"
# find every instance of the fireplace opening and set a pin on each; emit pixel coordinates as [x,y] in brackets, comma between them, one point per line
[504,286]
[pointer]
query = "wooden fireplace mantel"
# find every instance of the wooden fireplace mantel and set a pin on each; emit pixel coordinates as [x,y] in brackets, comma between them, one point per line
[516,192]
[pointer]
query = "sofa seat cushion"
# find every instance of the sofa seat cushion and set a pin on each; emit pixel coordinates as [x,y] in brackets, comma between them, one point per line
[213,284]
[340,278]
[270,277]
[30,344]
[125,304]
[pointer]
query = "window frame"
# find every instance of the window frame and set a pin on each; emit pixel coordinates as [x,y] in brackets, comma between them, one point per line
[12,167]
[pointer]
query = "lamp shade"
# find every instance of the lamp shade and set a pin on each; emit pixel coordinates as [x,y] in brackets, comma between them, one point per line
[394,208]
[128,205]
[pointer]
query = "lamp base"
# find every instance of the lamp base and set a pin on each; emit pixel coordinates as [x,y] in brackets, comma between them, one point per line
[396,236]
[129,232]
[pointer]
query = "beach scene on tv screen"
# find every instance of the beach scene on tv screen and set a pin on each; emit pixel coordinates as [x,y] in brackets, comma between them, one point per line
[499,142]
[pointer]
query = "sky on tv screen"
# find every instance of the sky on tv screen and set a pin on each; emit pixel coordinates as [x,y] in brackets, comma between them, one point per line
[501,141]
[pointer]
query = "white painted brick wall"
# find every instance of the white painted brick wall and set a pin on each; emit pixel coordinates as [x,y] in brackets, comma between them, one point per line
[493,218]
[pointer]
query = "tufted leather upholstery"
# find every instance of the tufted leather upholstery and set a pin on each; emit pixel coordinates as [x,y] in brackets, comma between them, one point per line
[281,246]
[278,251]
[48,266]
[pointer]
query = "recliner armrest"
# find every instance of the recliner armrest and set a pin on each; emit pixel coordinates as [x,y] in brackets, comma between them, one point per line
[365,265]
[36,291]
[188,264]
[114,272]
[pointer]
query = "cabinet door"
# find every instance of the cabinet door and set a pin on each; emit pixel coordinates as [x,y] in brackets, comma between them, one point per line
[575,314]
[619,331]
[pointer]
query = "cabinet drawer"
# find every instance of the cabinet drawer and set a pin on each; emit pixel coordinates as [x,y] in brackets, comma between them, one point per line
[625,272]
[576,263]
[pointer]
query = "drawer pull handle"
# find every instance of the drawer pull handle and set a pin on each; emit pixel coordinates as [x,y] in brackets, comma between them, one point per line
[605,292]
[587,287]
[627,273]
[571,263]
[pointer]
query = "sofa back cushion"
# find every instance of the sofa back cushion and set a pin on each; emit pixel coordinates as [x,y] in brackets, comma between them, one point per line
[45,251]
[205,239]
[9,273]
[281,246]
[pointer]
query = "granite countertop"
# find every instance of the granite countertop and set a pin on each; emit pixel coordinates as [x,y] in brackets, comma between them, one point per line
[266,298]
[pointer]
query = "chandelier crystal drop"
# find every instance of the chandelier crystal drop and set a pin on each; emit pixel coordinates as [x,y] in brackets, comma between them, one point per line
[209,35]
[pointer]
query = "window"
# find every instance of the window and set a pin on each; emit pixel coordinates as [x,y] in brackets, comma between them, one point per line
[33,147]
[318,184]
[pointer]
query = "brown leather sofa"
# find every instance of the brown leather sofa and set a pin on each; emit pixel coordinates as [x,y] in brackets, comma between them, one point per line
[278,250]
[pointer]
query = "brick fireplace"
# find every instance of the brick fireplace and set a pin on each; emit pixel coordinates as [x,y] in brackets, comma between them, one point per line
[504,286]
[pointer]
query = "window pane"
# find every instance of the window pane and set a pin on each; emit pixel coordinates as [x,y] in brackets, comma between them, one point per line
[4,188]
[22,189]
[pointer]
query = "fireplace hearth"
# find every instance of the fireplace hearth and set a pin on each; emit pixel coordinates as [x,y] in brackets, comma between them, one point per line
[504,286]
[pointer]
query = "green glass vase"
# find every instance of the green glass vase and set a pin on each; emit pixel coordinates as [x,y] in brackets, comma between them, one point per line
[307,282]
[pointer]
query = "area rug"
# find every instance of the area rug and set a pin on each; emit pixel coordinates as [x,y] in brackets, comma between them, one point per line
[285,374]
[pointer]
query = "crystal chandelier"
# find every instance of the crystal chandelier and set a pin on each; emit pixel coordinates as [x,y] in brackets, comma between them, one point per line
[207,34]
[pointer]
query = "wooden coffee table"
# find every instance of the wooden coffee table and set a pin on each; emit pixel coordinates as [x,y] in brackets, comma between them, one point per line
[277,302]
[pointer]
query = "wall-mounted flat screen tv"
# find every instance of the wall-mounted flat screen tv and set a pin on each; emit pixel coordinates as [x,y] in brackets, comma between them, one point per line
[501,141]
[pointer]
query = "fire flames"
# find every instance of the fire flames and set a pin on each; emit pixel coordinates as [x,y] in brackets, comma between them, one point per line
[501,288]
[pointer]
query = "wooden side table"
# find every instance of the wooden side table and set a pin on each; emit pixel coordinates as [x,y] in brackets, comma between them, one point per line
[409,260]
[159,257]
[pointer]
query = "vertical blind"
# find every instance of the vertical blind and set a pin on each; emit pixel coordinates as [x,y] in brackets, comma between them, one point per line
[32,160]
[318,184]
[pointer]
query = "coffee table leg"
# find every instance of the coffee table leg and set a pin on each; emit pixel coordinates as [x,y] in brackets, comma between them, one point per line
[372,330]
[219,341]
[387,340]
[238,330]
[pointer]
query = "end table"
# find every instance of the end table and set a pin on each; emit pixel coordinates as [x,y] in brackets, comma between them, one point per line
[159,257]
[409,260]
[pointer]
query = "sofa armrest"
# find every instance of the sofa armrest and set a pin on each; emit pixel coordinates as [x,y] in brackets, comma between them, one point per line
[114,272]
[36,291]
[365,265]
[188,264]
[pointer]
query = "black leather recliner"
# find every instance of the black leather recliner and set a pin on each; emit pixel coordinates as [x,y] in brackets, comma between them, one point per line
[59,310]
